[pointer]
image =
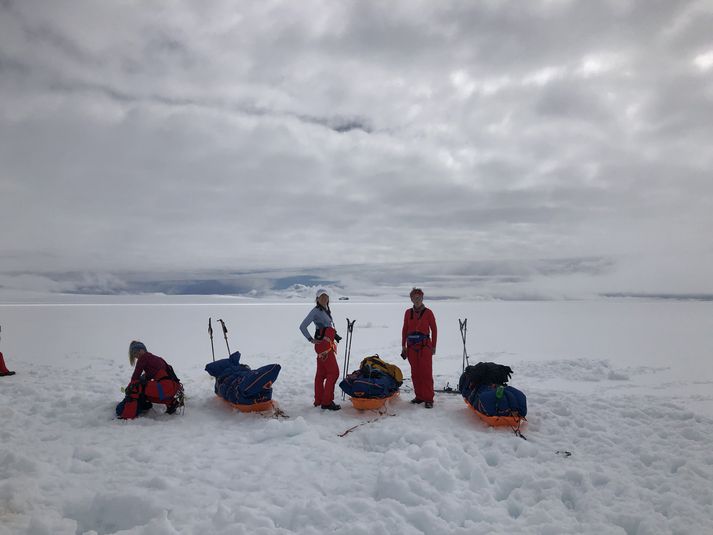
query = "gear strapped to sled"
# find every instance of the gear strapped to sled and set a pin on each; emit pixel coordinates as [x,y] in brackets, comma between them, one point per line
[375,363]
[374,383]
[248,390]
[484,389]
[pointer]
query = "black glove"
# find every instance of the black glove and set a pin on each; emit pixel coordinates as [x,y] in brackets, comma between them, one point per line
[404,355]
[337,338]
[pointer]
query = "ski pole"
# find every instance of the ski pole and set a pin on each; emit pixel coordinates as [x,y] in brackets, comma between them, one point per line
[344,366]
[225,335]
[347,353]
[350,330]
[463,334]
[210,333]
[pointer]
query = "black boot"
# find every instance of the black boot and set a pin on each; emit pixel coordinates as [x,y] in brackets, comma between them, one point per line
[331,407]
[429,405]
[416,401]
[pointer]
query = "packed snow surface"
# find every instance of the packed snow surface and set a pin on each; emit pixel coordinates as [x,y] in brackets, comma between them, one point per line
[618,433]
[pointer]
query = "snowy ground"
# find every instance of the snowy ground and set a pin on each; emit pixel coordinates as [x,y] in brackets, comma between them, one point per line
[624,386]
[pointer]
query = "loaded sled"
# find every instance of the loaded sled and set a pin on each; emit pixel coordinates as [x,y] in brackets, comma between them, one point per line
[240,386]
[373,384]
[484,389]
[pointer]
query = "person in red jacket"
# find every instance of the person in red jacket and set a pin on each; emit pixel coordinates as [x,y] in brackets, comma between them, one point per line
[153,381]
[418,340]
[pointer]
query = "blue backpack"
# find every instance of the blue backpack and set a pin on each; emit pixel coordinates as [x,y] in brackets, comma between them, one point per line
[498,400]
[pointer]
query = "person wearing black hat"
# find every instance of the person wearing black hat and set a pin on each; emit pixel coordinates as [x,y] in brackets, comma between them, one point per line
[153,381]
[325,345]
[418,340]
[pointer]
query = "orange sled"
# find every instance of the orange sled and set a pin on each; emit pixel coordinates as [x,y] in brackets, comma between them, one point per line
[253,407]
[366,404]
[498,421]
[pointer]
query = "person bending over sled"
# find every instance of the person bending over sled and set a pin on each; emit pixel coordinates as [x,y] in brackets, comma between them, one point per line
[325,345]
[418,339]
[153,381]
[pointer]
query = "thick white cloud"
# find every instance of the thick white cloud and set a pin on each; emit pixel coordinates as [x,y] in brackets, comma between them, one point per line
[156,136]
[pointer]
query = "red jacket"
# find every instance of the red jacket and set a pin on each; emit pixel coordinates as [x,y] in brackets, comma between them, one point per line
[150,364]
[422,321]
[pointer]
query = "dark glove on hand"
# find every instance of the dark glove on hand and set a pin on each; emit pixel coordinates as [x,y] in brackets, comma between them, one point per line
[337,338]
[404,355]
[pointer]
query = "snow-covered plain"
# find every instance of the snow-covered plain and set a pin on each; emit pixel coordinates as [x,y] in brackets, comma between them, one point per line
[625,386]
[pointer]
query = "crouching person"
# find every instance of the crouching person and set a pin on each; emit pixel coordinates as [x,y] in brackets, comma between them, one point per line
[153,381]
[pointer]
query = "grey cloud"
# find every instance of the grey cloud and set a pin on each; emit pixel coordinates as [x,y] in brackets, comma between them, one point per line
[264,135]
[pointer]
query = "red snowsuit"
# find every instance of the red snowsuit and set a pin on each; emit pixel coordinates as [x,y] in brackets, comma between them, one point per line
[160,388]
[420,349]
[327,368]
[156,386]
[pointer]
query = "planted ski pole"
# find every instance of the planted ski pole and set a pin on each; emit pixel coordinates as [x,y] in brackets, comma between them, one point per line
[347,353]
[225,335]
[210,333]
[463,324]
[463,333]
[350,331]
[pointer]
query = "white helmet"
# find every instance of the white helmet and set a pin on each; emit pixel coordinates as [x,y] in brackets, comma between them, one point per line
[321,292]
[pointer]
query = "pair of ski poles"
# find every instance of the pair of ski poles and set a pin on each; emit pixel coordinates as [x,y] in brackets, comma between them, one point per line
[225,335]
[463,333]
[463,324]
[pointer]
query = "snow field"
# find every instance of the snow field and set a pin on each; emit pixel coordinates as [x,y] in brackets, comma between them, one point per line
[641,461]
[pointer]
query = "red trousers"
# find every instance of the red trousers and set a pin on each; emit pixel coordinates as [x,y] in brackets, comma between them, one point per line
[420,357]
[327,372]
[3,368]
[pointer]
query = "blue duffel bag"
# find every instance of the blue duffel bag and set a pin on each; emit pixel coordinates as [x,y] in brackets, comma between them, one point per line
[373,385]
[498,400]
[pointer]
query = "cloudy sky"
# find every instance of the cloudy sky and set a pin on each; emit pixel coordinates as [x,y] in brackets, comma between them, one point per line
[222,135]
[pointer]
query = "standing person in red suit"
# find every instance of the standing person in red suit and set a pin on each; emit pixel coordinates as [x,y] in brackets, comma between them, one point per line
[3,369]
[418,339]
[325,345]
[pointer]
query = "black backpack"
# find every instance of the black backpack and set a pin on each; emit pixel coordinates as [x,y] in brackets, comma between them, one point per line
[484,373]
[171,374]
